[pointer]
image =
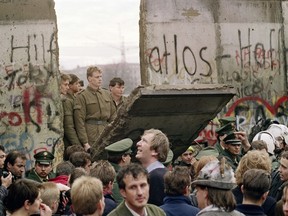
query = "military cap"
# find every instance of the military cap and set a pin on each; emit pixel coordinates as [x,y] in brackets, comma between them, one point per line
[216,174]
[227,125]
[44,157]
[120,147]
[227,120]
[231,139]
[169,158]
[209,150]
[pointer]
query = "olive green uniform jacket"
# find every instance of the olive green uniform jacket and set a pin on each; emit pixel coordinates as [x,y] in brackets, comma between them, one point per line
[122,210]
[31,174]
[115,190]
[70,134]
[93,110]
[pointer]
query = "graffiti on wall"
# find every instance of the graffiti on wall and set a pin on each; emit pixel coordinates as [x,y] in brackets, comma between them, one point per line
[30,114]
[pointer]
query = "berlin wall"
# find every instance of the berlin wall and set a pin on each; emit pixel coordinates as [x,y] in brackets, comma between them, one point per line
[30,105]
[241,43]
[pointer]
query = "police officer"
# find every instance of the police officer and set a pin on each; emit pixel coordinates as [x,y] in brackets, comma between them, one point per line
[42,170]
[232,151]
[119,154]
[93,109]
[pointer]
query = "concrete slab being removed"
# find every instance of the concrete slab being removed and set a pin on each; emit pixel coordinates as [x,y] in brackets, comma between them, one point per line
[181,112]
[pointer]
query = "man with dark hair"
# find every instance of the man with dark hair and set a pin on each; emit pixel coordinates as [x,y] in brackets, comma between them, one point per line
[133,182]
[24,199]
[15,163]
[116,87]
[280,177]
[177,189]
[81,159]
[153,149]
[255,188]
[72,149]
[104,171]
[93,109]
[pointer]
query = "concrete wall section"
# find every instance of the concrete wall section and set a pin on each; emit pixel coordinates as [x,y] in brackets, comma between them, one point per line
[30,105]
[240,42]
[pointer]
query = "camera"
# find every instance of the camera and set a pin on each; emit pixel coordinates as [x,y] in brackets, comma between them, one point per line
[5,174]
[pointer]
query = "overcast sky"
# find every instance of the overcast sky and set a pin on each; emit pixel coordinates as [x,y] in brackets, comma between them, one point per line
[94,31]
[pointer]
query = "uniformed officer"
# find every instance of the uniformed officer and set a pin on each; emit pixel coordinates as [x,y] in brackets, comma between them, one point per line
[93,109]
[227,126]
[232,151]
[119,154]
[42,170]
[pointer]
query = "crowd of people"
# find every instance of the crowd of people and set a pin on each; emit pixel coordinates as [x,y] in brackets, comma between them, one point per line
[239,175]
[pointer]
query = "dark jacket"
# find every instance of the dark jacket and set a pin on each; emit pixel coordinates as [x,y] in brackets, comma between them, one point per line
[110,204]
[250,210]
[156,191]
[178,206]
[268,206]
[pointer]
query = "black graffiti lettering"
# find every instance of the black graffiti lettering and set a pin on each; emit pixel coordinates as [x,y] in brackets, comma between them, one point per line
[166,54]
[13,48]
[243,48]
[193,59]
[210,68]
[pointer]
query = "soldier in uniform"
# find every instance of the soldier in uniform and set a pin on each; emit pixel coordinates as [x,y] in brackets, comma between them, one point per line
[227,125]
[232,152]
[42,170]
[93,109]
[70,135]
[118,154]
[117,87]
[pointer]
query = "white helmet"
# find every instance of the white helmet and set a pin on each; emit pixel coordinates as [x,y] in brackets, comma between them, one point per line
[279,130]
[268,138]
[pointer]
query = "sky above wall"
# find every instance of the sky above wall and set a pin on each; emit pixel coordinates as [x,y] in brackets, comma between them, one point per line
[97,32]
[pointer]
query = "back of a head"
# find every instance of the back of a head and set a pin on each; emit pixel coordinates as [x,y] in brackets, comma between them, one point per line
[256,182]
[72,149]
[252,160]
[177,180]
[77,172]
[64,168]
[20,191]
[86,192]
[259,145]
[104,171]
[133,169]
[159,143]
[80,159]
[268,138]
[50,195]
